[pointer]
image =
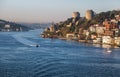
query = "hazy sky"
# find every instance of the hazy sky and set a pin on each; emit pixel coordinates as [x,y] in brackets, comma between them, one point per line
[50,10]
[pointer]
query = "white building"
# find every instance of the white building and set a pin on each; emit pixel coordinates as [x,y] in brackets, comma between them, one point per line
[70,35]
[117,41]
[7,26]
[107,40]
[97,40]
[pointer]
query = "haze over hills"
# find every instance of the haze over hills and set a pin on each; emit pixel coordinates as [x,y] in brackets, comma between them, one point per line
[36,25]
[12,26]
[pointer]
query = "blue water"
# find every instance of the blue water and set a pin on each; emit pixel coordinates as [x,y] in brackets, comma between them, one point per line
[54,57]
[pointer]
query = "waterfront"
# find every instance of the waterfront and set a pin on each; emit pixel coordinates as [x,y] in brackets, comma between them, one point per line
[54,57]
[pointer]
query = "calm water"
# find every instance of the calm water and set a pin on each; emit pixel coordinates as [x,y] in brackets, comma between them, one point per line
[54,58]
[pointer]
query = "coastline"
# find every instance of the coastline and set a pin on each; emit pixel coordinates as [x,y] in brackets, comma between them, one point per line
[86,42]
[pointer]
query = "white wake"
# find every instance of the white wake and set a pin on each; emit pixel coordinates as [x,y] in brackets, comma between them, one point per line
[24,41]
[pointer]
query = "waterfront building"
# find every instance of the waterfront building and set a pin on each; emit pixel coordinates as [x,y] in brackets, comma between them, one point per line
[7,26]
[117,41]
[89,14]
[93,36]
[70,35]
[69,25]
[107,40]
[98,40]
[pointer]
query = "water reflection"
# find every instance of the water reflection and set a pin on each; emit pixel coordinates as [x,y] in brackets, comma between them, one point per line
[107,51]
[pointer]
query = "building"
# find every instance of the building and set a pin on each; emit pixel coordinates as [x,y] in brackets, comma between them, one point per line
[98,40]
[93,36]
[110,24]
[107,40]
[100,29]
[89,14]
[117,41]
[7,26]
[109,33]
[70,35]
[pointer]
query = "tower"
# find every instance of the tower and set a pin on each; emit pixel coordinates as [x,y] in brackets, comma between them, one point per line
[89,14]
[76,15]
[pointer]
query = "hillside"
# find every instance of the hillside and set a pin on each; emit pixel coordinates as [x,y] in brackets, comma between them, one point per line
[78,24]
[12,26]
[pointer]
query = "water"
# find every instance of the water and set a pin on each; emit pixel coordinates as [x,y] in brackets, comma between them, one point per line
[54,58]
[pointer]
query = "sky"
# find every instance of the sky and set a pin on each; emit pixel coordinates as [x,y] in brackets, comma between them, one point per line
[43,11]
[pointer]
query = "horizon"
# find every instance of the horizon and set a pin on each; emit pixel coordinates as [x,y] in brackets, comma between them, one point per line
[45,11]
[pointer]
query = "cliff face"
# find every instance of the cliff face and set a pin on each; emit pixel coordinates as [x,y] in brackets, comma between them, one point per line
[11,26]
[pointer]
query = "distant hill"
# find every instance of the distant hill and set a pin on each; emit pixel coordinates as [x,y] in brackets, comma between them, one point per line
[36,25]
[12,26]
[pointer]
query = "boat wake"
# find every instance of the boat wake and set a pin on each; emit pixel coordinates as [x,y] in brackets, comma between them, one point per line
[25,41]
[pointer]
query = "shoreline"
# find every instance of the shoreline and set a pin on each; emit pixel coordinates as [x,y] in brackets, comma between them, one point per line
[84,41]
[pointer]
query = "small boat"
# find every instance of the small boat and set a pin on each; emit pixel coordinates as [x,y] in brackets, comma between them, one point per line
[36,45]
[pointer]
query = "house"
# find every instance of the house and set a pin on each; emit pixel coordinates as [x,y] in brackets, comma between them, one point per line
[111,24]
[85,32]
[107,40]
[97,40]
[117,41]
[92,28]
[93,36]
[70,35]
[100,29]
[109,33]
[7,26]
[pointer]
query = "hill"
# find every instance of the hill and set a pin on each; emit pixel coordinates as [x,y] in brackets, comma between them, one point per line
[12,26]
